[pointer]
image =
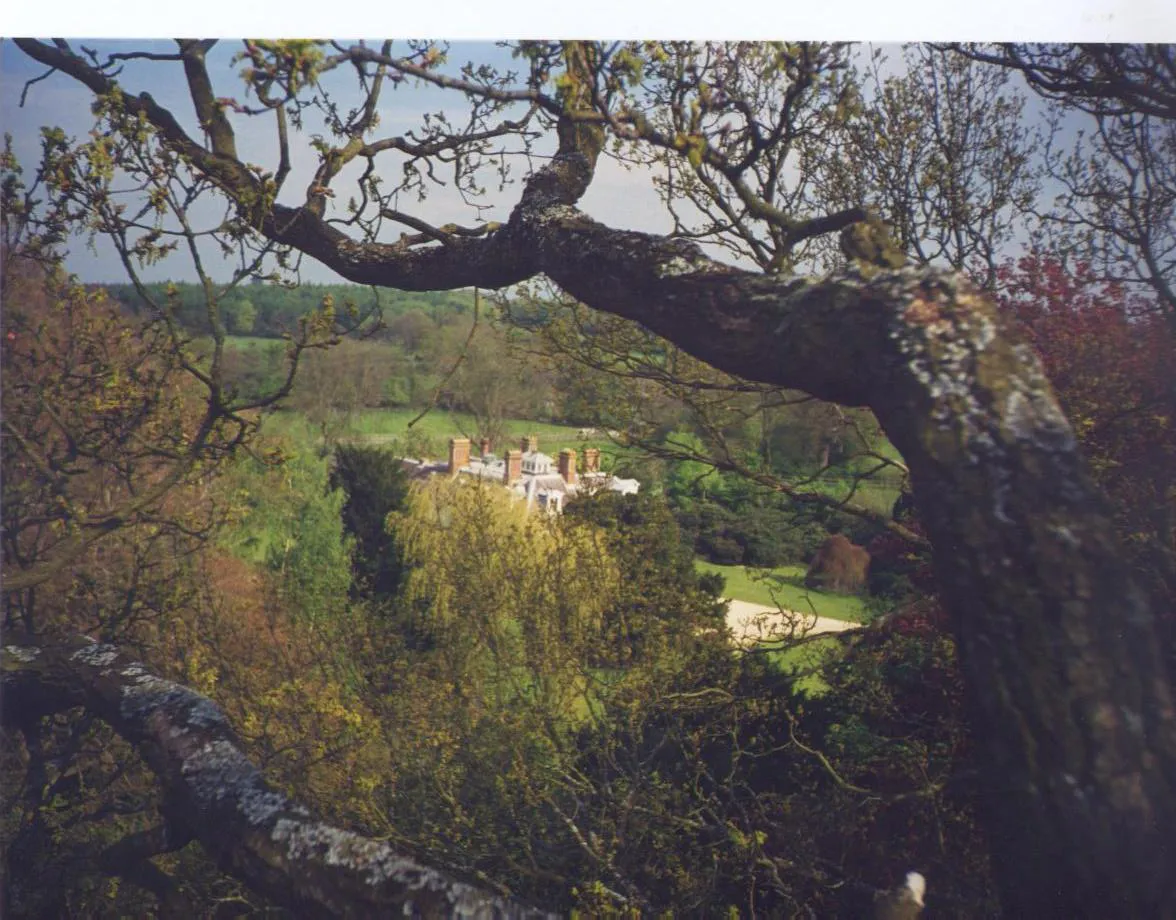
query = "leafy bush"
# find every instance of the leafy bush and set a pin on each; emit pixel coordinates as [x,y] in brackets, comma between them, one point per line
[839,566]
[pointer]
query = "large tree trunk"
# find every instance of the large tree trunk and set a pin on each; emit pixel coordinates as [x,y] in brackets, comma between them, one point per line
[1071,702]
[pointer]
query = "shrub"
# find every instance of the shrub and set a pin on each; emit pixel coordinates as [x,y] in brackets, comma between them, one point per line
[839,566]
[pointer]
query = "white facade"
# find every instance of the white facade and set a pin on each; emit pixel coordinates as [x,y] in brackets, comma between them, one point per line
[540,482]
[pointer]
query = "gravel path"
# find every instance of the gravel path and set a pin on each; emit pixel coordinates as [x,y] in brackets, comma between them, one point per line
[751,623]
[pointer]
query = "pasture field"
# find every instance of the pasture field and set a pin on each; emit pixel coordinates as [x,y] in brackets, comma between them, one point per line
[435,428]
[784,585]
[878,493]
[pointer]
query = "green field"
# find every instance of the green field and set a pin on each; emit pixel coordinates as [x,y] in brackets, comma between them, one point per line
[878,494]
[203,343]
[437,426]
[784,585]
[253,341]
[804,660]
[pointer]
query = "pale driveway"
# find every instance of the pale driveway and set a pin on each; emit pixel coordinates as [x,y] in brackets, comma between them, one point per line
[751,623]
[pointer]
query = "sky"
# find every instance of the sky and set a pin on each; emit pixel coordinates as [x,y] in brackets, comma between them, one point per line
[617,197]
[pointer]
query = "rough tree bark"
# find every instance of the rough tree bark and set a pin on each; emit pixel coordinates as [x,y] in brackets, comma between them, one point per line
[1071,701]
[214,794]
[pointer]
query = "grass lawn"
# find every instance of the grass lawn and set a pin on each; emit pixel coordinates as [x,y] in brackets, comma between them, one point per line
[442,425]
[438,426]
[806,658]
[748,584]
[203,343]
[878,494]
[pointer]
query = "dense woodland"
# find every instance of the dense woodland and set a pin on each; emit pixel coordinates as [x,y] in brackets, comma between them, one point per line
[923,365]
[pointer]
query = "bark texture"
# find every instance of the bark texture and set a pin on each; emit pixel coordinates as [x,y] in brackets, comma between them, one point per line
[215,794]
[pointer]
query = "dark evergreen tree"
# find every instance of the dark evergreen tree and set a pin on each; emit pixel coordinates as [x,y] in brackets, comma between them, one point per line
[375,486]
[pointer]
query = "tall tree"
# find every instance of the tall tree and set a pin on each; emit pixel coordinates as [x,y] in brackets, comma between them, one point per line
[1109,356]
[943,153]
[1076,722]
[1117,206]
[373,485]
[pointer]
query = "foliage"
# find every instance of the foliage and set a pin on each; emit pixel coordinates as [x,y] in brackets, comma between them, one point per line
[240,316]
[284,676]
[838,566]
[942,152]
[1110,355]
[666,742]
[101,440]
[493,379]
[706,110]
[890,721]
[756,530]
[563,714]
[288,519]
[254,367]
[1117,207]
[755,473]
[330,389]
[483,568]
[661,601]
[277,308]
[374,485]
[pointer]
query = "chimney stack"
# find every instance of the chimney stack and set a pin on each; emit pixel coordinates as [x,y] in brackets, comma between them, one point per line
[485,446]
[514,467]
[567,465]
[529,444]
[459,454]
[592,460]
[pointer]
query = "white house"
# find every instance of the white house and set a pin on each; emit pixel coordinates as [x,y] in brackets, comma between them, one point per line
[544,483]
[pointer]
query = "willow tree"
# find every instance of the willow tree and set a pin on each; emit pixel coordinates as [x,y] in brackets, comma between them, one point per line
[1070,697]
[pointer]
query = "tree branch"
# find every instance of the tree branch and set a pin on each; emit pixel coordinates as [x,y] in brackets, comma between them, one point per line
[253,831]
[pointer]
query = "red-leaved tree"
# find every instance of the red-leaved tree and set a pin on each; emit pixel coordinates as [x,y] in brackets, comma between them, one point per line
[1111,360]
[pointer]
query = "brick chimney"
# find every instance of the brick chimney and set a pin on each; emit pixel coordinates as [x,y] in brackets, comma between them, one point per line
[592,460]
[514,467]
[485,446]
[529,444]
[567,465]
[459,454]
